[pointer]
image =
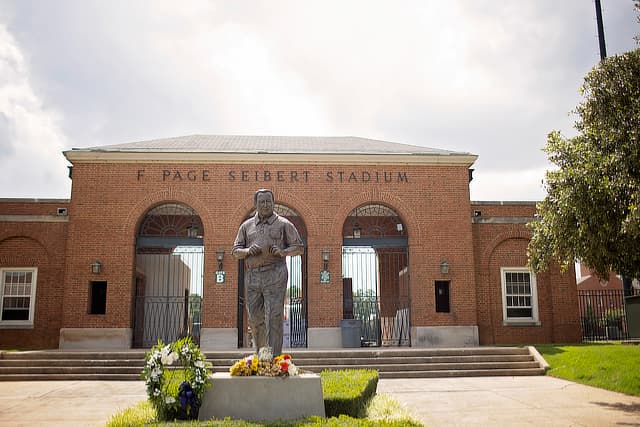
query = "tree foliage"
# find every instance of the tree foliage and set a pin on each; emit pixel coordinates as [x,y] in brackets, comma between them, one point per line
[592,209]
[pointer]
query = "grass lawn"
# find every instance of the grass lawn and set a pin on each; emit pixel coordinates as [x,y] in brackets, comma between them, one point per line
[611,366]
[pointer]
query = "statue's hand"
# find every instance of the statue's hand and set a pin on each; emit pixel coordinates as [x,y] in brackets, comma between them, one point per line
[254,249]
[276,251]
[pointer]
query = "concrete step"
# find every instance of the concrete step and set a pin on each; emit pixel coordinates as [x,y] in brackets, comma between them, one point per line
[464,373]
[390,362]
[73,355]
[67,362]
[429,367]
[71,370]
[70,377]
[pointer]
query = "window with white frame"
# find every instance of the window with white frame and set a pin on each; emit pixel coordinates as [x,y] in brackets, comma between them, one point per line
[519,296]
[17,295]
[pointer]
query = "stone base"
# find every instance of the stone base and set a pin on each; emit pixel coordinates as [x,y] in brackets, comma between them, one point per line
[95,338]
[444,336]
[262,398]
[218,338]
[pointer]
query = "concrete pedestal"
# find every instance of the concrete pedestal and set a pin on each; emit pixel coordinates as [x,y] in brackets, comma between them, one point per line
[262,398]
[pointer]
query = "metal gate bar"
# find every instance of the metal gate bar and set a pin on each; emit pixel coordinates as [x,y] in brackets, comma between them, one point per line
[168,299]
[602,314]
[380,288]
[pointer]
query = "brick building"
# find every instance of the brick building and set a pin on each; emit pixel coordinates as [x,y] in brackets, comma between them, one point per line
[141,251]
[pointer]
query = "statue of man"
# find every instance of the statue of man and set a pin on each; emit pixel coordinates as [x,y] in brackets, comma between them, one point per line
[264,241]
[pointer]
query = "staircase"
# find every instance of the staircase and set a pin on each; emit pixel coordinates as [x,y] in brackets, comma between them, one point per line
[391,363]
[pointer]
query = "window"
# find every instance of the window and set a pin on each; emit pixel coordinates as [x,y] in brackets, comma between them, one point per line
[519,298]
[98,297]
[18,291]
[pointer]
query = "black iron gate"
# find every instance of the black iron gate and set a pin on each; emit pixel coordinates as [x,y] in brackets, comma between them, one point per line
[296,303]
[168,297]
[379,278]
[603,315]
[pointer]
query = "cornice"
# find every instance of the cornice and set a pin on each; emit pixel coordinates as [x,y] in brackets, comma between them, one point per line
[91,156]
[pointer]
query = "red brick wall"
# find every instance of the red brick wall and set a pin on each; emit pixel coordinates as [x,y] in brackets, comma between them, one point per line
[32,206]
[109,200]
[504,209]
[41,245]
[505,245]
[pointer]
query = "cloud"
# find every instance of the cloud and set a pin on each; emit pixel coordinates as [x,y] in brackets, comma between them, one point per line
[30,138]
[525,185]
[491,78]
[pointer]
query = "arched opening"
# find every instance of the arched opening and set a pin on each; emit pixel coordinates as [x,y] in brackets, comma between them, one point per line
[375,271]
[295,304]
[169,275]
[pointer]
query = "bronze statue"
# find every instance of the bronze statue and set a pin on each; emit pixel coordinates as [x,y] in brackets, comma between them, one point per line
[264,241]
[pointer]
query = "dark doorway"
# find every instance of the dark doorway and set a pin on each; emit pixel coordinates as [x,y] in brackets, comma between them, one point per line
[375,260]
[169,275]
[442,296]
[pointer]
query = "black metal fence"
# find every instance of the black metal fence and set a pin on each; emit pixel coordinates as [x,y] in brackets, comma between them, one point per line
[366,309]
[167,318]
[602,314]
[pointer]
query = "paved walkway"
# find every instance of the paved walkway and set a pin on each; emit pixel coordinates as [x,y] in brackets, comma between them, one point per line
[512,401]
[477,402]
[65,403]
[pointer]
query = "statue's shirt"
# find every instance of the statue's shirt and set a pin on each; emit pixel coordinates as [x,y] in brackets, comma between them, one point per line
[275,230]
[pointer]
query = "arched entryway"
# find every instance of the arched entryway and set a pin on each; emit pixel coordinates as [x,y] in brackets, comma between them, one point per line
[375,271]
[169,269]
[295,305]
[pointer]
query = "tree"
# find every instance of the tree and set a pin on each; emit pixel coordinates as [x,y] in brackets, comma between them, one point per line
[592,208]
[637,8]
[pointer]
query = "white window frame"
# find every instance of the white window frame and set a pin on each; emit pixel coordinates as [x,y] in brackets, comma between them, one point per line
[534,319]
[32,297]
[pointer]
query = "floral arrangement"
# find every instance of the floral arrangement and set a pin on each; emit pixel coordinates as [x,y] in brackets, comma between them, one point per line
[264,364]
[161,377]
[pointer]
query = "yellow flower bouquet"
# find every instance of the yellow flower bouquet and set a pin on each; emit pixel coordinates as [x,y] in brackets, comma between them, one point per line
[264,364]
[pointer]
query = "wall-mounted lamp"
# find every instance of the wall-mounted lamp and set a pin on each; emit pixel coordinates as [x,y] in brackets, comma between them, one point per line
[325,276]
[325,259]
[220,257]
[96,267]
[444,267]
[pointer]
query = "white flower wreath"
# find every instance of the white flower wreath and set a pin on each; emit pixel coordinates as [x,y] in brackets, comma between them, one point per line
[170,399]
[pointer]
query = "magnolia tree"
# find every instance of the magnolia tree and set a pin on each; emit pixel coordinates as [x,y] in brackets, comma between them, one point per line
[592,209]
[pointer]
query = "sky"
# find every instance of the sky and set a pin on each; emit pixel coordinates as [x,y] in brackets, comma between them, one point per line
[491,78]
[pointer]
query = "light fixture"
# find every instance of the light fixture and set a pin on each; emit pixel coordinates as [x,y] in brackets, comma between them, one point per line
[325,276]
[444,267]
[96,267]
[325,259]
[192,230]
[220,257]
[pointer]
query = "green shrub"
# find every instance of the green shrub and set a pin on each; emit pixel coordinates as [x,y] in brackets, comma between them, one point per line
[347,392]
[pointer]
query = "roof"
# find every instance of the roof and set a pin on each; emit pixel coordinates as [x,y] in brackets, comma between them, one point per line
[221,147]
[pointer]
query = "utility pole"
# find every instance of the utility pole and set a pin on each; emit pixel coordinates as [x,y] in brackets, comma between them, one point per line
[603,47]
